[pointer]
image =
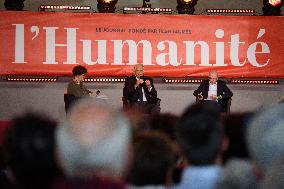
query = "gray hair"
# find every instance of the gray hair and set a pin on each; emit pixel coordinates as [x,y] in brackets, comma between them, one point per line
[93,138]
[237,173]
[274,177]
[265,136]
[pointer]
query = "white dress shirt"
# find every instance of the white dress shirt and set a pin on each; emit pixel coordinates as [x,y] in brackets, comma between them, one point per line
[143,92]
[212,91]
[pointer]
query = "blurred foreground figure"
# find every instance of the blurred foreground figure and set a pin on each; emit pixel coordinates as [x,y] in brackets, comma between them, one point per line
[29,147]
[237,174]
[265,141]
[93,146]
[153,161]
[201,138]
[274,177]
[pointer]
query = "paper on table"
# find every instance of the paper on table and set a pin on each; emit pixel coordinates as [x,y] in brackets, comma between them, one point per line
[101,96]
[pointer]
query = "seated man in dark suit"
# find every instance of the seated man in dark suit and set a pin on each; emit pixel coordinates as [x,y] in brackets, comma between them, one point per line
[140,91]
[214,90]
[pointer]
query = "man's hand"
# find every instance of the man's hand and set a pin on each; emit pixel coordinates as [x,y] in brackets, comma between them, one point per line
[93,94]
[148,83]
[213,97]
[199,96]
[138,82]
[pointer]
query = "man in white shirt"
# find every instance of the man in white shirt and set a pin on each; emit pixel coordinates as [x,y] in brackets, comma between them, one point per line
[215,90]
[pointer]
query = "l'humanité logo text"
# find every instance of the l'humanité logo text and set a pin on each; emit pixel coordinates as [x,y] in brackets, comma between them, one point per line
[162,53]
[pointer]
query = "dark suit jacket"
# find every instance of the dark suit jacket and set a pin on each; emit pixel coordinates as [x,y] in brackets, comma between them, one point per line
[222,91]
[132,94]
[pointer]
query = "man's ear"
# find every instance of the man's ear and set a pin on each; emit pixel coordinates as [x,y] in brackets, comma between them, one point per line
[257,172]
[225,144]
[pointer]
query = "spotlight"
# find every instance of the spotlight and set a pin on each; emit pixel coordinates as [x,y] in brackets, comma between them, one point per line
[16,5]
[186,6]
[106,6]
[274,2]
[272,7]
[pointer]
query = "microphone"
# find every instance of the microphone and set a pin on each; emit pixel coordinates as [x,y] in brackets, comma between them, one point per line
[138,82]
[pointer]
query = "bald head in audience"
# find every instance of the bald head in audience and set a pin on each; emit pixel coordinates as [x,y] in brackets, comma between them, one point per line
[265,136]
[94,141]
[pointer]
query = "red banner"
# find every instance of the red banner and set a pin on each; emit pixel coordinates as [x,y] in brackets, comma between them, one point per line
[48,43]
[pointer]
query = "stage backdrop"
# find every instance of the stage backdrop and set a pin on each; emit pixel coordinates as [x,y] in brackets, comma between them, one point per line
[51,43]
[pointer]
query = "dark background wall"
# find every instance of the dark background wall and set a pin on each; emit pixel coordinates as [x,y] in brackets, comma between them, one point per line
[201,6]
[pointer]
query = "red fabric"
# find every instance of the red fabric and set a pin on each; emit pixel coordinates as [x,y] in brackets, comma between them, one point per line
[3,126]
[169,45]
[92,183]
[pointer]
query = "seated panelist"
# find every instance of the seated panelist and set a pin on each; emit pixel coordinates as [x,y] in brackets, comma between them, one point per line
[214,90]
[140,91]
[76,86]
[76,89]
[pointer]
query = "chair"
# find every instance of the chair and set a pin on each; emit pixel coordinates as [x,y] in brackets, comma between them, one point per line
[69,100]
[229,101]
[126,103]
[226,103]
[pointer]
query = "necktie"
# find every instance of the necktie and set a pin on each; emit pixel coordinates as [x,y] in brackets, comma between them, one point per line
[140,93]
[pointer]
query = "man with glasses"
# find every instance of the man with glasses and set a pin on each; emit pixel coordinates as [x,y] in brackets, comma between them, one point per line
[214,90]
[139,90]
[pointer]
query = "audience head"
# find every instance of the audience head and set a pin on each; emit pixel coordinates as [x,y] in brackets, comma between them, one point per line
[274,177]
[138,70]
[202,109]
[94,141]
[29,145]
[213,76]
[165,123]
[237,173]
[235,125]
[200,135]
[153,159]
[265,136]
